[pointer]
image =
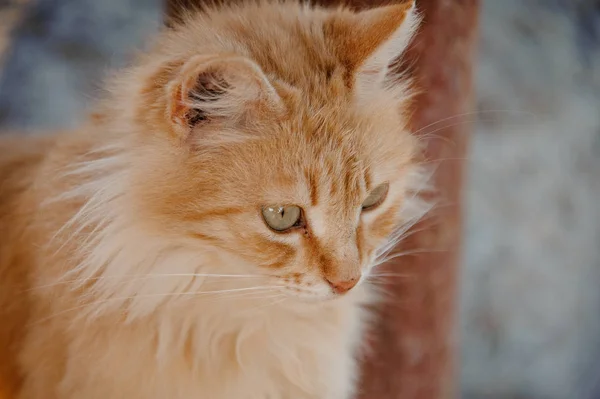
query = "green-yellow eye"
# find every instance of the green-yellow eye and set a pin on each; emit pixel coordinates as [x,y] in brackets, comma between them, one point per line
[282,217]
[376,197]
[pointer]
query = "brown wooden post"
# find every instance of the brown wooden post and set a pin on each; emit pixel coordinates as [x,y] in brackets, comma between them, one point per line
[414,347]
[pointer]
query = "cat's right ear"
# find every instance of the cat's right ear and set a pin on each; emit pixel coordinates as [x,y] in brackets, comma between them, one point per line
[369,41]
[219,91]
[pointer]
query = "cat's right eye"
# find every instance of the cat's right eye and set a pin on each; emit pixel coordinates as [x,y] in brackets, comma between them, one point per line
[376,197]
[282,218]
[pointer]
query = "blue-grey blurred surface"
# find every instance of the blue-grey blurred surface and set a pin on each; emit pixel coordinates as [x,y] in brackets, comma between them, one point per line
[531,277]
[530,303]
[60,52]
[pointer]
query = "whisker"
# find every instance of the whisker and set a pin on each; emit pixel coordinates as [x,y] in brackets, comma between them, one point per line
[141,277]
[411,252]
[253,295]
[440,160]
[395,239]
[404,231]
[474,114]
[450,125]
[171,294]
[383,290]
[399,275]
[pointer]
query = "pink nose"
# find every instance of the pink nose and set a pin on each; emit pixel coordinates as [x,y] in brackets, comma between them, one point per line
[341,287]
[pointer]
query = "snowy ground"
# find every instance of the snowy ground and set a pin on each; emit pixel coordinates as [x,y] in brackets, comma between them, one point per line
[531,276]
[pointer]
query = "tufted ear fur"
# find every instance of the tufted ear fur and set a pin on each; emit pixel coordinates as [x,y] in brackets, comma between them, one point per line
[219,91]
[368,42]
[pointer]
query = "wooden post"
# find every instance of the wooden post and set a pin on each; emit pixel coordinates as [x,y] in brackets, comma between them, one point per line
[415,344]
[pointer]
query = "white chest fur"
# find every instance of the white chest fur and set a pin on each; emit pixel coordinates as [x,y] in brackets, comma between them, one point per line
[241,350]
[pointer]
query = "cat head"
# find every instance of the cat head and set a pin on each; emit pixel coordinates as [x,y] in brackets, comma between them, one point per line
[269,140]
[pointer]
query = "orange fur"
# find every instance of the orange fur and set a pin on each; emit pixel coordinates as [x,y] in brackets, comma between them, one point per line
[134,261]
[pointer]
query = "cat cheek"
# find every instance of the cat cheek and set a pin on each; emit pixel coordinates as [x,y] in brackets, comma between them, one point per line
[381,229]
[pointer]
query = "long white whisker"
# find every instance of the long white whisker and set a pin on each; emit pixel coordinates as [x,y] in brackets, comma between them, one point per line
[475,113]
[400,275]
[254,295]
[401,234]
[406,253]
[135,277]
[170,294]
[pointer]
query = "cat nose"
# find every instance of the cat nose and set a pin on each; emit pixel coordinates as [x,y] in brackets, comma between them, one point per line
[341,287]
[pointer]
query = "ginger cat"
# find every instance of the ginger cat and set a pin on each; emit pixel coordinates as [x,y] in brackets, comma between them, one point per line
[210,233]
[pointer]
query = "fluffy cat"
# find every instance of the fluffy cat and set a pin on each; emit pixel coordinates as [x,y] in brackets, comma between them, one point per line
[209,233]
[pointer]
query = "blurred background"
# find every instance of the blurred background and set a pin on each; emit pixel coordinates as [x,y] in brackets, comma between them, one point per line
[530,287]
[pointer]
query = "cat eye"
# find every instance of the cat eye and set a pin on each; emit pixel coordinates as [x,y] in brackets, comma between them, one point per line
[376,197]
[282,218]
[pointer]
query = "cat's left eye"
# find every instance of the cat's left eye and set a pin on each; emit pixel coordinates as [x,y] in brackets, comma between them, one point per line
[282,218]
[376,197]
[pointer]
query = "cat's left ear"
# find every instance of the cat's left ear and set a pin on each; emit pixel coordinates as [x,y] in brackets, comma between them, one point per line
[371,40]
[213,92]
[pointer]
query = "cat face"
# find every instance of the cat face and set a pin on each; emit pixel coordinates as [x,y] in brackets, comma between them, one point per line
[282,150]
[306,205]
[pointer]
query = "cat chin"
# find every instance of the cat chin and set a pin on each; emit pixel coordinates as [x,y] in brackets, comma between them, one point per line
[310,297]
[325,297]
[315,299]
